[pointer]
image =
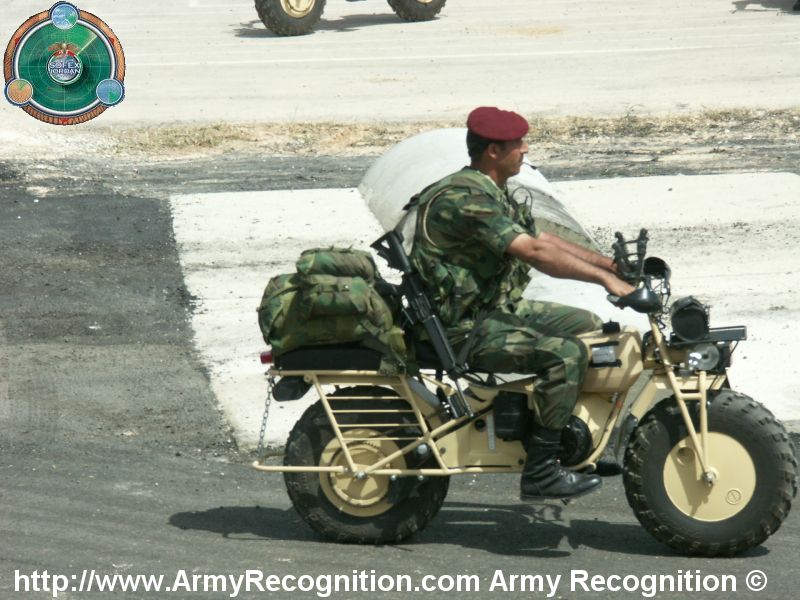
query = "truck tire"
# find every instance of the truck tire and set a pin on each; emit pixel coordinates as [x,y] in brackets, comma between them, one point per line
[290,17]
[342,508]
[417,10]
[753,491]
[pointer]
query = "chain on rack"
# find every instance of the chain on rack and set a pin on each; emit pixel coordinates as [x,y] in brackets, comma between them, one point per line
[262,449]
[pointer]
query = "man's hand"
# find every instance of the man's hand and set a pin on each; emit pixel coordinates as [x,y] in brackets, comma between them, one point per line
[617,287]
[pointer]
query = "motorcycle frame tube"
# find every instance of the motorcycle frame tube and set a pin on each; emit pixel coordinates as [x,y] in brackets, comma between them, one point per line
[696,386]
[662,379]
[429,436]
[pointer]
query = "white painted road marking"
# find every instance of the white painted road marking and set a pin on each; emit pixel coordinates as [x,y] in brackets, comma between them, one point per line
[231,244]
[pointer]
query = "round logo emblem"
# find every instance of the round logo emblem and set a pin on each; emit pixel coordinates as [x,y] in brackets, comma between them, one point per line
[64,66]
[734,496]
[19,92]
[110,92]
[64,16]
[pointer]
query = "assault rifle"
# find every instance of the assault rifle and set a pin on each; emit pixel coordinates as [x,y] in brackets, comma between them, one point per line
[417,310]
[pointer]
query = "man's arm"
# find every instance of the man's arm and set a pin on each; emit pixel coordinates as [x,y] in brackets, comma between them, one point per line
[553,259]
[604,262]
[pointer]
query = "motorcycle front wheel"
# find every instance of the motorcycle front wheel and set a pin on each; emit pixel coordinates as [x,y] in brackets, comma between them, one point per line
[754,468]
[342,507]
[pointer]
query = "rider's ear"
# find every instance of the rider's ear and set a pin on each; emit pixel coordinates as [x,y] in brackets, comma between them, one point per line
[494,149]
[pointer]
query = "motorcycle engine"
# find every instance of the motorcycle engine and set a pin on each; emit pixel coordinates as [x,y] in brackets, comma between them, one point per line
[576,442]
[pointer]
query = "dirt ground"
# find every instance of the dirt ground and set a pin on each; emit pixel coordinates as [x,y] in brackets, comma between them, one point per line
[336,155]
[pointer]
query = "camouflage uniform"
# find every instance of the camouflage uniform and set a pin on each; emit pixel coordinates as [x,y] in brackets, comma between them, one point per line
[464,225]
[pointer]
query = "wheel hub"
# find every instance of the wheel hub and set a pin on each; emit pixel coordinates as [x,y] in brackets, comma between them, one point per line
[361,496]
[690,491]
[297,8]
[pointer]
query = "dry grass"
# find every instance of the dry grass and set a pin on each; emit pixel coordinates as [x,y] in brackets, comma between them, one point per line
[738,122]
[278,139]
[180,137]
[365,139]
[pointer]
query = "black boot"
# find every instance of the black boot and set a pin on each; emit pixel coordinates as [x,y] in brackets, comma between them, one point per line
[543,476]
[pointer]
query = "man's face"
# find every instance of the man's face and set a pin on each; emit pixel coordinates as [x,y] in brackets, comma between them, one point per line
[508,157]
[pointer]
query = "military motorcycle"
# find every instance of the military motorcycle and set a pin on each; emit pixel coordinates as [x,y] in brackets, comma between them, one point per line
[706,470]
[298,17]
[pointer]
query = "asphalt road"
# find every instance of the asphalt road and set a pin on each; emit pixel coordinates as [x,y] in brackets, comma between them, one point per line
[113,456]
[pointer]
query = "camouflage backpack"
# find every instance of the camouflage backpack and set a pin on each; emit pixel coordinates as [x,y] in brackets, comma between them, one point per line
[330,299]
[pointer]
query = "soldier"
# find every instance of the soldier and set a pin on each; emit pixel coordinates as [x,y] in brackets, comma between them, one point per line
[473,245]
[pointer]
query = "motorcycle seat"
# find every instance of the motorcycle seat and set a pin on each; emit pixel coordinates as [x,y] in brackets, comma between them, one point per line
[350,357]
[330,357]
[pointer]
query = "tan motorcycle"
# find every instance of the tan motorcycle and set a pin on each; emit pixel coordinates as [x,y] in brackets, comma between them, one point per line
[706,470]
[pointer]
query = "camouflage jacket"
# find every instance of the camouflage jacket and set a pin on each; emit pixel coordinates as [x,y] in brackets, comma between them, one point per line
[465,222]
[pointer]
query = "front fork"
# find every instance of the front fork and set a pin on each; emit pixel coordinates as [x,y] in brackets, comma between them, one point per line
[684,388]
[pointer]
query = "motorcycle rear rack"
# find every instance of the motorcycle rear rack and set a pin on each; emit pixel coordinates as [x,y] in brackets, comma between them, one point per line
[400,385]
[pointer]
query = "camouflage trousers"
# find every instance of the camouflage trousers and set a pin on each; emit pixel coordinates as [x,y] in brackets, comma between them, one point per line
[537,338]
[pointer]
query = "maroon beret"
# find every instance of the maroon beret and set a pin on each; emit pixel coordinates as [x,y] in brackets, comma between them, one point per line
[498,125]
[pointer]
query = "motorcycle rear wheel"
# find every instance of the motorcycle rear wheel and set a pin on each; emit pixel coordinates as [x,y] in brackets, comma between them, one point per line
[756,481]
[339,506]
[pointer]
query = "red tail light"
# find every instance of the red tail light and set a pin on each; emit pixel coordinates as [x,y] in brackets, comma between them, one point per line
[266,357]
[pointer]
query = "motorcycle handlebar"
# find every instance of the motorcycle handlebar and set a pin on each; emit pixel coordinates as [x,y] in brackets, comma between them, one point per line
[630,263]
[644,273]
